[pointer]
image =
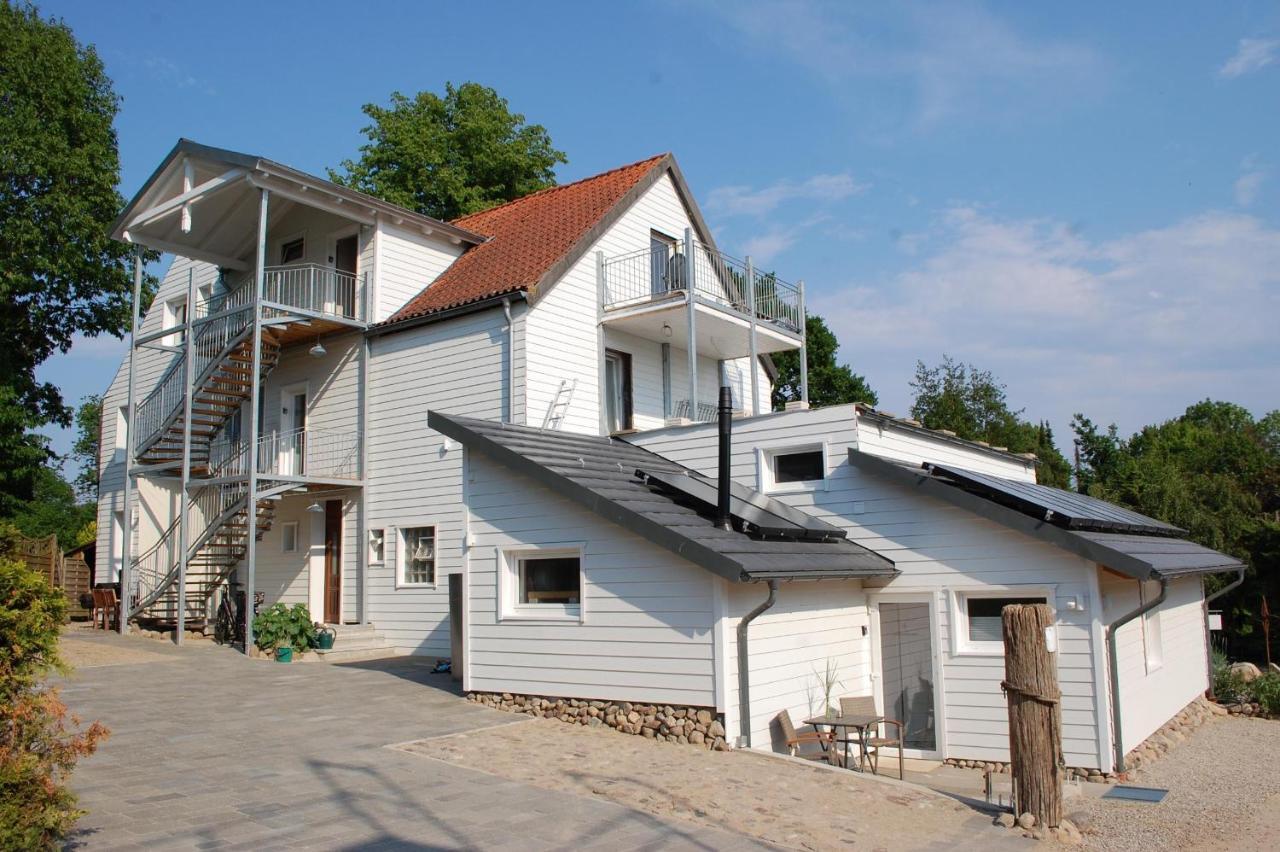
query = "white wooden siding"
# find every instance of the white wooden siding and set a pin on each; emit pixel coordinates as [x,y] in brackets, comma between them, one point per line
[1150,697]
[940,549]
[790,645]
[459,367]
[906,445]
[407,262]
[647,632]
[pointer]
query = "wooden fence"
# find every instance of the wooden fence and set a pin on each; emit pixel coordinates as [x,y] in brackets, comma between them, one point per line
[69,574]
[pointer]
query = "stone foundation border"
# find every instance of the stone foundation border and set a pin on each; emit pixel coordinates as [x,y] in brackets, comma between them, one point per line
[697,726]
[1175,731]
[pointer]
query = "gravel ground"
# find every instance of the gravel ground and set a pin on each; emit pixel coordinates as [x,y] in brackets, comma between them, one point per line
[79,649]
[1224,789]
[789,803]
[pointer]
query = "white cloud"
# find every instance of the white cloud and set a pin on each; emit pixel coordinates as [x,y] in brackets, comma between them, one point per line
[1249,184]
[956,59]
[748,201]
[1130,329]
[1252,54]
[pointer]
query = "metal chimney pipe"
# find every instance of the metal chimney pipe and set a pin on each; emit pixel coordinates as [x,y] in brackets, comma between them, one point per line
[726,427]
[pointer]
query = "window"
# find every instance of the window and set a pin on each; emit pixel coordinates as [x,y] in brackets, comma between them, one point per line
[122,426]
[550,580]
[289,537]
[1152,637]
[541,584]
[664,263]
[617,390]
[293,251]
[980,622]
[232,428]
[377,545]
[793,468]
[418,565]
[175,314]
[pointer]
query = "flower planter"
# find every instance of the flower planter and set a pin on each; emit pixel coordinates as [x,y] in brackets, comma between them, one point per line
[284,655]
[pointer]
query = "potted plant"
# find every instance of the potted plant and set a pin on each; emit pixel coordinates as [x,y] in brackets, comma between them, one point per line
[283,629]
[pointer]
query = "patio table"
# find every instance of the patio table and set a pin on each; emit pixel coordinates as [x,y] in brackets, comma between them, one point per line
[861,723]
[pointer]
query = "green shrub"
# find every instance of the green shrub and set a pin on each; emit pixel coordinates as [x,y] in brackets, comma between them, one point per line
[282,626]
[1228,686]
[39,742]
[1266,691]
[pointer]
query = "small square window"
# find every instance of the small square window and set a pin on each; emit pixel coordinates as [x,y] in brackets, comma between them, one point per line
[289,537]
[418,566]
[293,251]
[550,580]
[807,466]
[984,620]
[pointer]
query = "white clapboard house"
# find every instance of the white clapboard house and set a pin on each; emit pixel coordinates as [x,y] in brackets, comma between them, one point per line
[336,401]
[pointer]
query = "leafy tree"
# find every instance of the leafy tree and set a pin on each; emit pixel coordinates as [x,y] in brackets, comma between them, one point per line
[60,273]
[39,745]
[85,450]
[1213,471]
[53,510]
[450,156]
[972,403]
[830,383]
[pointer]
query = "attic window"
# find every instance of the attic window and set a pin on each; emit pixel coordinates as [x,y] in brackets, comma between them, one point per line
[805,466]
[802,468]
[293,251]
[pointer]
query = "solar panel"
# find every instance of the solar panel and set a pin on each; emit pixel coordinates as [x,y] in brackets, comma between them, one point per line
[1065,509]
[754,511]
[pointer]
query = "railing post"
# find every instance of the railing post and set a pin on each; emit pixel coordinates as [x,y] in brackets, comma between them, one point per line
[751,309]
[602,295]
[130,413]
[804,348]
[689,268]
[251,502]
[184,540]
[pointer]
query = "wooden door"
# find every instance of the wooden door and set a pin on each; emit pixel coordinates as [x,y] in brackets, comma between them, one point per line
[333,561]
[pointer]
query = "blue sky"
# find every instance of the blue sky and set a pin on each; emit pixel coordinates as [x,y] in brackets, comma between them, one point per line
[1082,198]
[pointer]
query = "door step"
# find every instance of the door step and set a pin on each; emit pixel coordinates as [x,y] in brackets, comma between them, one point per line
[357,642]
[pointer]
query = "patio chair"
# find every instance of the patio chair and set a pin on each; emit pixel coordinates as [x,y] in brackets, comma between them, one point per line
[865,705]
[105,608]
[794,740]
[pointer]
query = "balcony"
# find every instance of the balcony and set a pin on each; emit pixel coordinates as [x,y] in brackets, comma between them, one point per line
[646,293]
[297,455]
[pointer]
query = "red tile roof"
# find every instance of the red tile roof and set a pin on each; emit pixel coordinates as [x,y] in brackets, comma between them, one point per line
[527,237]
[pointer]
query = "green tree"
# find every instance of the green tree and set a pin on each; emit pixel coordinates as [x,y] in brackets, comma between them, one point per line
[53,510]
[60,273]
[450,156]
[1213,471]
[972,403]
[830,383]
[39,746]
[84,452]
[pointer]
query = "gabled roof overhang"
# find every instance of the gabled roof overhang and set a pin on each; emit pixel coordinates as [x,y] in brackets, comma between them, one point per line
[202,203]
[1142,557]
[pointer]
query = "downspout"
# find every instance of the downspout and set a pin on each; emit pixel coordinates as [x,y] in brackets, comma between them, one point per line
[744,672]
[1112,628]
[1208,650]
[511,361]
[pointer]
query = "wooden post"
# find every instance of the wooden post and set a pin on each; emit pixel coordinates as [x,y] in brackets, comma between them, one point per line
[1035,712]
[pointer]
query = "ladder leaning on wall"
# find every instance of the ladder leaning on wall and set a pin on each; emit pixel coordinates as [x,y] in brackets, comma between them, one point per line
[559,407]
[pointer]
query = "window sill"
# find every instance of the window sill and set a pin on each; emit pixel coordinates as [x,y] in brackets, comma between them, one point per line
[400,585]
[984,649]
[561,617]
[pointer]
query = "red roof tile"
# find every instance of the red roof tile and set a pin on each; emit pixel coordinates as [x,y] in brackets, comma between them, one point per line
[527,237]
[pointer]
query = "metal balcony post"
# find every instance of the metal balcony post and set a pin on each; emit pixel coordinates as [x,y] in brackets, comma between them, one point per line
[184,534]
[689,284]
[804,349]
[755,365]
[251,501]
[602,291]
[126,555]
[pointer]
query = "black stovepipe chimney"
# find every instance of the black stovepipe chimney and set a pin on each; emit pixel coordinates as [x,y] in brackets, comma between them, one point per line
[726,426]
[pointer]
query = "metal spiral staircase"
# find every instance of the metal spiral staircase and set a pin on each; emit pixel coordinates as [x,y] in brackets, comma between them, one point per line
[218,512]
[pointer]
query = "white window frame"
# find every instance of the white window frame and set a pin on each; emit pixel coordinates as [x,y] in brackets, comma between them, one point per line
[402,553]
[171,307]
[765,469]
[122,426]
[508,567]
[1152,631]
[284,241]
[961,644]
[381,534]
[284,537]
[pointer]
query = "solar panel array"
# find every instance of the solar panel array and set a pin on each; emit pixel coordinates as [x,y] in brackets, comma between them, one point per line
[1065,509]
[754,512]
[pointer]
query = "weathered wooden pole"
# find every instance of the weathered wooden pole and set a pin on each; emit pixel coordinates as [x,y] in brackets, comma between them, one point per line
[1035,712]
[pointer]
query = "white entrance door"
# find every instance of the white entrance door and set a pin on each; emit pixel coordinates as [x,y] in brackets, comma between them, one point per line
[292,440]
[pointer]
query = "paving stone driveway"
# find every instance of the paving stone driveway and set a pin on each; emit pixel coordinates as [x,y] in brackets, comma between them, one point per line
[210,750]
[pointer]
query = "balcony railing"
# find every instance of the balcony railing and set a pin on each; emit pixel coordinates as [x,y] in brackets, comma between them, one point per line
[656,273]
[318,453]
